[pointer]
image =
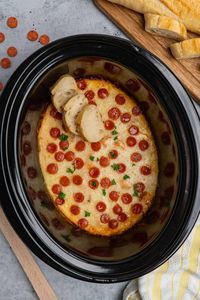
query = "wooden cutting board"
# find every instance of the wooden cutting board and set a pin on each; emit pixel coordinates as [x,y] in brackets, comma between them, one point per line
[132,23]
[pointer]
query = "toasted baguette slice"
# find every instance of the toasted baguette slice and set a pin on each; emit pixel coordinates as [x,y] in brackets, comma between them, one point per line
[64,88]
[165,26]
[187,11]
[186,49]
[90,124]
[70,111]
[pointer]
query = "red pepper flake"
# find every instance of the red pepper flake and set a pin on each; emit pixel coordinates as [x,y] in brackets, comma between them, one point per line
[5,63]
[44,39]
[1,86]
[12,22]
[32,35]
[12,51]
[2,37]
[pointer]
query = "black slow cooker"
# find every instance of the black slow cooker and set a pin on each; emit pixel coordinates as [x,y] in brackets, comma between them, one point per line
[173,119]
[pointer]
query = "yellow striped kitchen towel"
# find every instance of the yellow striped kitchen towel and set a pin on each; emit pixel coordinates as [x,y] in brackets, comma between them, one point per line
[177,279]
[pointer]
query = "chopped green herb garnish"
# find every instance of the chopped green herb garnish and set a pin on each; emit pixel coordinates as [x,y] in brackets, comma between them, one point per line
[115,138]
[91,157]
[45,203]
[133,164]
[87,213]
[94,183]
[115,167]
[98,159]
[113,181]
[65,148]
[89,200]
[114,132]
[61,195]
[126,177]
[63,137]
[66,237]
[104,192]
[135,193]
[70,170]
[112,154]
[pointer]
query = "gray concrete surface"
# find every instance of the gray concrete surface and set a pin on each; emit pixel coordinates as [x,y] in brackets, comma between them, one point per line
[58,18]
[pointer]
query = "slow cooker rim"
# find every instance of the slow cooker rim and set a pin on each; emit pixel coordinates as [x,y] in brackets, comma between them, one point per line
[78,36]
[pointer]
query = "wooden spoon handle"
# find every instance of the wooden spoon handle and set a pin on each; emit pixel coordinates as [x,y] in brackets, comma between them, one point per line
[24,256]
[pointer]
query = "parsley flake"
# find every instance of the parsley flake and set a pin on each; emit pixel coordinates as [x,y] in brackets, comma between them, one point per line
[87,213]
[114,132]
[112,154]
[135,194]
[94,183]
[113,182]
[126,177]
[66,237]
[70,170]
[61,195]
[104,192]
[133,164]
[115,167]
[91,157]
[63,137]
[98,159]
[115,138]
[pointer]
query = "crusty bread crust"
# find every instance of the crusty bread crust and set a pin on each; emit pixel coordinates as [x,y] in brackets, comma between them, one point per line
[165,26]
[91,159]
[186,49]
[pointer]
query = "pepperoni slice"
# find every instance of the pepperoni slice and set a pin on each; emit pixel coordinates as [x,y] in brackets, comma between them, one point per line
[80,146]
[51,148]
[79,197]
[55,114]
[143,145]
[52,168]
[133,130]
[79,72]
[135,157]
[96,146]
[113,224]
[113,154]
[94,172]
[12,22]
[145,170]
[64,145]
[109,125]
[136,111]
[133,85]
[78,163]
[69,156]
[59,156]
[139,187]
[59,201]
[27,148]
[105,183]
[32,172]
[165,138]
[122,217]
[104,161]
[103,93]
[26,129]
[114,196]
[56,189]
[2,37]
[114,113]
[126,198]
[121,168]
[55,132]
[117,209]
[120,99]
[104,218]
[101,206]
[42,195]
[125,118]
[5,63]
[89,95]
[64,181]
[75,210]
[112,68]
[93,184]
[137,208]
[81,84]
[82,223]
[44,39]
[169,169]
[131,141]
[77,179]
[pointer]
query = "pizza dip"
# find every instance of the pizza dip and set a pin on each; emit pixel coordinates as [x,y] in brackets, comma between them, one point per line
[97,156]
